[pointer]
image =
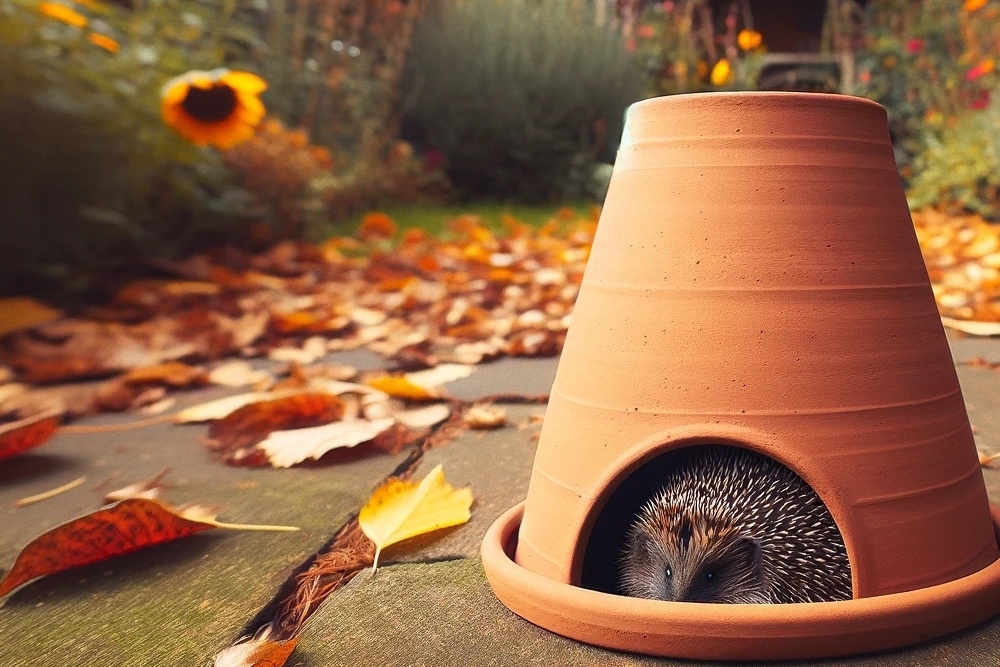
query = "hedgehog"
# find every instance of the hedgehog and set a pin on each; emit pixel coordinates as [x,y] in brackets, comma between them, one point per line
[733,526]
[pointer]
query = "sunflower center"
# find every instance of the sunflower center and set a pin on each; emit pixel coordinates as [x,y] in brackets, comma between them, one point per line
[210,105]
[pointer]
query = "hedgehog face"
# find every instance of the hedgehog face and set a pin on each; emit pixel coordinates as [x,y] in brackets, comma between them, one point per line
[683,557]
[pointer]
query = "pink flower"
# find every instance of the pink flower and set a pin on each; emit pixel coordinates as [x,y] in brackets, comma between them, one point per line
[646,31]
[982,68]
[630,45]
[914,45]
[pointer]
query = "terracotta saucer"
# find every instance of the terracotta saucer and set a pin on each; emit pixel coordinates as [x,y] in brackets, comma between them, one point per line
[735,632]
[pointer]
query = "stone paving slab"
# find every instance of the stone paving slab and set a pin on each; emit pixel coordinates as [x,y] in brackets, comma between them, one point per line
[447,615]
[178,604]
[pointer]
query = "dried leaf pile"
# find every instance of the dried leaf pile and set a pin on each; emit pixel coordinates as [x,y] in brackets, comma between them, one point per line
[476,296]
[469,297]
[962,254]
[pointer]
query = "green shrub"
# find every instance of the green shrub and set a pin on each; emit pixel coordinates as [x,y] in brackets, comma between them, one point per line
[522,97]
[960,165]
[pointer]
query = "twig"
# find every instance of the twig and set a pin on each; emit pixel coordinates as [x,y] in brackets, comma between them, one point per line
[252,526]
[38,497]
[113,428]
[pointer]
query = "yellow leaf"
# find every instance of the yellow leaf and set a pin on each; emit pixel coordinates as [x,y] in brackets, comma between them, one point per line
[401,509]
[400,387]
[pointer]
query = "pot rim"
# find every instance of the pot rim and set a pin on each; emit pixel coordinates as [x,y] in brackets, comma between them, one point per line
[735,631]
[778,95]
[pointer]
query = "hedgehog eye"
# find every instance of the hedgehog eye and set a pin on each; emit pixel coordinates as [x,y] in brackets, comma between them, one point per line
[710,576]
[669,572]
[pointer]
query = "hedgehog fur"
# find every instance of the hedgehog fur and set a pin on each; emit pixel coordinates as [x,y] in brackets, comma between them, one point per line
[730,525]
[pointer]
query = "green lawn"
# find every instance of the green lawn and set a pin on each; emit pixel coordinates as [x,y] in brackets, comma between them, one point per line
[434,218]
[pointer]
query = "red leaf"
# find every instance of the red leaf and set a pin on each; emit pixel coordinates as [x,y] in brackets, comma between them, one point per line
[22,435]
[252,423]
[126,526]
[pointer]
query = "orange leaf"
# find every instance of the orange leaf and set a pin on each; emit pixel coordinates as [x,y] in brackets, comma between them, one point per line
[376,225]
[18,313]
[118,529]
[252,423]
[171,373]
[22,435]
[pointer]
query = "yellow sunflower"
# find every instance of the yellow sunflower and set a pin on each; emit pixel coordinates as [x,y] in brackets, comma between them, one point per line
[219,108]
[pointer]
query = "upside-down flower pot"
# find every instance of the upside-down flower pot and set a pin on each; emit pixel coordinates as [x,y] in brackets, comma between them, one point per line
[755,281]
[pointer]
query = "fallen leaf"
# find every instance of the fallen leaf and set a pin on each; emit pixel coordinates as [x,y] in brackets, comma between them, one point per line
[17,313]
[252,423]
[237,373]
[439,375]
[129,525]
[256,653]
[972,328]
[485,417]
[286,448]
[9,391]
[400,387]
[986,460]
[148,488]
[159,407]
[22,435]
[170,373]
[206,412]
[401,509]
[424,417]
[312,349]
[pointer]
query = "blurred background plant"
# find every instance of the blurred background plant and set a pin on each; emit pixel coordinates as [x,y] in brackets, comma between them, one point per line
[689,46]
[932,64]
[382,102]
[93,179]
[519,99]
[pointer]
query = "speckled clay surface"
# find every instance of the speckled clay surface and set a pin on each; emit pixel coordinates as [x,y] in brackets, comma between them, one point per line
[755,280]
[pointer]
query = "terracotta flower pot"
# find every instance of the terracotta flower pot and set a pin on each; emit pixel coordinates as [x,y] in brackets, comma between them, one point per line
[755,281]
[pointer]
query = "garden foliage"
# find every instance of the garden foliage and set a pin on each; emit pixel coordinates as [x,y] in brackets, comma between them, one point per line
[959,165]
[521,98]
[690,46]
[932,64]
[93,179]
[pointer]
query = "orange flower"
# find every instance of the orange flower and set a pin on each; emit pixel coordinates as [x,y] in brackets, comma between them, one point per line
[62,13]
[376,225]
[749,39]
[104,42]
[721,73]
[219,108]
[973,5]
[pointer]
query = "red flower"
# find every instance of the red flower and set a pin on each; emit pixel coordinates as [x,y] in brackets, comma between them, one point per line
[914,45]
[981,101]
[647,31]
